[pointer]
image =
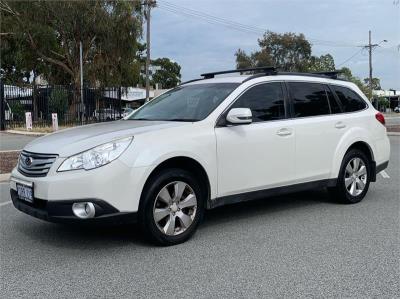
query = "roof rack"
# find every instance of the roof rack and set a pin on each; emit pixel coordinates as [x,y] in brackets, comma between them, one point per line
[269,70]
[330,74]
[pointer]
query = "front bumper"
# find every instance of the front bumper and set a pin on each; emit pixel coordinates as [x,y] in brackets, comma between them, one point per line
[115,183]
[61,211]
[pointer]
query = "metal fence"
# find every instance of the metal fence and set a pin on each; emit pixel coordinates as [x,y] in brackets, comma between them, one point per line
[73,106]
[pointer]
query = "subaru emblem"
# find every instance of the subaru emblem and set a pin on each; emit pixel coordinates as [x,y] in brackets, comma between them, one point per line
[28,161]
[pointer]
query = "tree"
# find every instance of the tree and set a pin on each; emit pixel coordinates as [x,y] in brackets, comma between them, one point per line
[288,51]
[169,73]
[48,34]
[345,73]
[376,83]
[321,64]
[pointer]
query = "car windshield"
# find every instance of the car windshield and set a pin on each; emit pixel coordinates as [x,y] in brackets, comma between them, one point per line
[185,103]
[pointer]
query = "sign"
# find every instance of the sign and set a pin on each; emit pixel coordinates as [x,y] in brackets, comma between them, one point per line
[54,119]
[28,120]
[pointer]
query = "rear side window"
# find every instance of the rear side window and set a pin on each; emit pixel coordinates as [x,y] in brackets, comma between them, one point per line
[309,99]
[335,108]
[349,99]
[265,101]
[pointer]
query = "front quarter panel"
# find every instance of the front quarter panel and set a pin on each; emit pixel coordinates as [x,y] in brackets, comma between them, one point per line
[194,140]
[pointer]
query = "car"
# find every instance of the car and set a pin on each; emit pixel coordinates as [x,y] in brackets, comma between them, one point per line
[106,114]
[207,143]
[126,111]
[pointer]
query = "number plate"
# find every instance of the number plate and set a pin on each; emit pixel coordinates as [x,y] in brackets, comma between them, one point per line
[25,192]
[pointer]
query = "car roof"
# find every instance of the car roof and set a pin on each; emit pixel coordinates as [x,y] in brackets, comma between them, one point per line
[266,78]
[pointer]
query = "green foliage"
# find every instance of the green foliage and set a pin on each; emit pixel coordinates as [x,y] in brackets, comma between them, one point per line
[346,74]
[58,102]
[376,83]
[45,36]
[169,76]
[383,102]
[321,64]
[288,51]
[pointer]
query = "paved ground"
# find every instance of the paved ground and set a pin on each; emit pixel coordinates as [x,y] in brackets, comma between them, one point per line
[14,141]
[303,245]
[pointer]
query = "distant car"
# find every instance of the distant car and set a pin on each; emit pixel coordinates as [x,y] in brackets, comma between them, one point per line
[105,114]
[126,111]
[397,109]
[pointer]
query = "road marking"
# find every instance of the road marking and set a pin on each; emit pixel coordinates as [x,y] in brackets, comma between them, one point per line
[384,174]
[5,203]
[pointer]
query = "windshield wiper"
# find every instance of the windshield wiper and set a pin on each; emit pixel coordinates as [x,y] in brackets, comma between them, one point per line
[183,119]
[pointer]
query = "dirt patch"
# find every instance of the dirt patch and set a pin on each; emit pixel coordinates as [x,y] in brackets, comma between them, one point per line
[8,160]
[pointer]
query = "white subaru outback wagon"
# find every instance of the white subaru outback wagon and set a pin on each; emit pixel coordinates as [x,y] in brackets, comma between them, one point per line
[209,142]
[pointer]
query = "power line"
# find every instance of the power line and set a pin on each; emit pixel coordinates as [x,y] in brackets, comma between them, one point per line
[351,57]
[183,11]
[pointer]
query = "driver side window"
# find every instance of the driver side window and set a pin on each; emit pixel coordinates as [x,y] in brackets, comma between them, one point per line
[266,102]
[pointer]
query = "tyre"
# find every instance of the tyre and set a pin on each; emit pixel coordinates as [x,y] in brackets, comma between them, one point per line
[354,177]
[172,206]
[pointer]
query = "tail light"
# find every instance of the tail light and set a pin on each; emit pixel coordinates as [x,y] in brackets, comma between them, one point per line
[379,117]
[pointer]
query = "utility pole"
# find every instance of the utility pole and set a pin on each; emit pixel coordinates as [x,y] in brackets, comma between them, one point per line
[148,5]
[370,47]
[370,63]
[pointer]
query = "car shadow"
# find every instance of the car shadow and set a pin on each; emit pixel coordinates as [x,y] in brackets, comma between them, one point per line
[102,237]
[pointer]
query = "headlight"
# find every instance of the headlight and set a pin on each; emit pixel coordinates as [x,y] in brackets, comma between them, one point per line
[97,156]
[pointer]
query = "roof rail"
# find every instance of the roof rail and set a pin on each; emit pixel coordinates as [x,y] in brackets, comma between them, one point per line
[267,70]
[330,74]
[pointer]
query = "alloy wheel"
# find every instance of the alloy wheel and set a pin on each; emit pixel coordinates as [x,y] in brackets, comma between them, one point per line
[175,208]
[355,176]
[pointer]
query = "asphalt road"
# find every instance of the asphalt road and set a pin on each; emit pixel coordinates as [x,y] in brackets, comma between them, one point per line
[14,141]
[302,245]
[393,120]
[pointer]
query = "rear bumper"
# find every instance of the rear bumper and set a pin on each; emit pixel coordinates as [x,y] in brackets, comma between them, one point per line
[60,211]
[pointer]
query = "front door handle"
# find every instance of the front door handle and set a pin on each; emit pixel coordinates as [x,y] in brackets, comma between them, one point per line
[340,125]
[284,132]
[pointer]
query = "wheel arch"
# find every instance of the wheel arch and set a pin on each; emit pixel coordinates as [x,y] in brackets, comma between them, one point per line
[186,163]
[360,144]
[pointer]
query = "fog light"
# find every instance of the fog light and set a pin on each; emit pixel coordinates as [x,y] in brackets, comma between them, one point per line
[83,210]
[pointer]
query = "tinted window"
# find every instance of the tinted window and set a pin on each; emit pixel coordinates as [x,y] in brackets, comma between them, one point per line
[349,99]
[185,103]
[309,99]
[335,108]
[265,101]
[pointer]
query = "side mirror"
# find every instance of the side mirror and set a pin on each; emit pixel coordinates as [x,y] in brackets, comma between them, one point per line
[239,116]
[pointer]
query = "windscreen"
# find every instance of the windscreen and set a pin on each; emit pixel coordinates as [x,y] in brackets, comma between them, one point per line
[185,103]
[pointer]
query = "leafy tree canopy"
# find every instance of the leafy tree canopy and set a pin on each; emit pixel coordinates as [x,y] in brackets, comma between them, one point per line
[169,74]
[44,36]
[292,52]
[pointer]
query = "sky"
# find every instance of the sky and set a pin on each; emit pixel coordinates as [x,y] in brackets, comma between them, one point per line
[338,27]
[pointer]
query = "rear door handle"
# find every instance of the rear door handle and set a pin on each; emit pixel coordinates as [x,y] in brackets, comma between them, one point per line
[284,132]
[340,125]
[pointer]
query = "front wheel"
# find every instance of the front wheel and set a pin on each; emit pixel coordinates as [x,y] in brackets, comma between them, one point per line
[354,177]
[172,207]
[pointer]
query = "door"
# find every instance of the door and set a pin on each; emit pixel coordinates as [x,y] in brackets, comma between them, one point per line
[259,155]
[318,127]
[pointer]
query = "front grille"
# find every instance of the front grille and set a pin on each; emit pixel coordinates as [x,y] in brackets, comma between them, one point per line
[35,165]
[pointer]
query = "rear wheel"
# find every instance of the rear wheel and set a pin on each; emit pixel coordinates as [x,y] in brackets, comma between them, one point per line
[354,177]
[172,207]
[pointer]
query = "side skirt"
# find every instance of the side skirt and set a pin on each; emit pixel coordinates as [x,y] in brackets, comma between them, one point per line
[241,197]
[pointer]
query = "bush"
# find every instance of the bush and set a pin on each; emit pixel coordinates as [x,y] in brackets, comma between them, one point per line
[17,110]
[58,102]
